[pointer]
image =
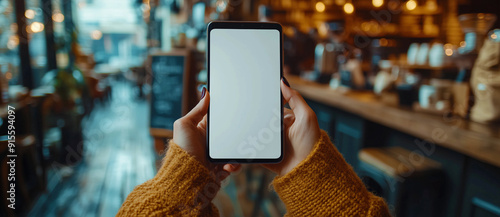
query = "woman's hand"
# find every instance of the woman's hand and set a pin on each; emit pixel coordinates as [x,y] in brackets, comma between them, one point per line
[301,131]
[190,135]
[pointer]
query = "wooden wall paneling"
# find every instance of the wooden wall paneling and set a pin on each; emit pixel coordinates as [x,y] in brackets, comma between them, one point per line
[325,115]
[349,135]
[482,190]
[376,135]
[24,53]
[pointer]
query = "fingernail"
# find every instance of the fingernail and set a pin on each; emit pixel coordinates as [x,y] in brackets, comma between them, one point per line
[203,92]
[285,81]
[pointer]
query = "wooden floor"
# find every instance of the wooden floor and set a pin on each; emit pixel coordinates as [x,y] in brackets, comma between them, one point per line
[118,155]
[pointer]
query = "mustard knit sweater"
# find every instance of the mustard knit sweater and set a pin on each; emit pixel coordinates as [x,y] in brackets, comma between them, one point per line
[322,185]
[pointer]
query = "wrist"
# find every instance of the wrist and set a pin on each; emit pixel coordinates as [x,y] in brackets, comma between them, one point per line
[289,167]
[301,153]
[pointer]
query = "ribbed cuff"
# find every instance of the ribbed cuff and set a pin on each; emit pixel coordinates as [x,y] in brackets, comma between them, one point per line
[323,185]
[188,179]
[182,187]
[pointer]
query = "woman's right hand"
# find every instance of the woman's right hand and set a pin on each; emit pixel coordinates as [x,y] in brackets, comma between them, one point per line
[301,131]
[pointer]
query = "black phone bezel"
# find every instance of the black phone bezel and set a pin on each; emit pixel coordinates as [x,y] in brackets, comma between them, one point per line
[243,25]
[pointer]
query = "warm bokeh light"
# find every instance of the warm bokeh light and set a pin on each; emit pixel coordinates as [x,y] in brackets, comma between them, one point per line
[377,3]
[411,5]
[36,27]
[96,34]
[448,52]
[323,29]
[494,36]
[13,42]
[448,49]
[348,8]
[30,14]
[221,5]
[463,43]
[320,6]
[58,17]
[8,75]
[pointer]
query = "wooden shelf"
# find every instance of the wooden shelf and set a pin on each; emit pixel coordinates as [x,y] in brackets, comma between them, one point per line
[433,68]
[422,11]
[402,35]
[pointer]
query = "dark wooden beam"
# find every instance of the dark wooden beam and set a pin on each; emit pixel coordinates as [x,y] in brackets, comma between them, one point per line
[24,54]
[49,35]
[69,26]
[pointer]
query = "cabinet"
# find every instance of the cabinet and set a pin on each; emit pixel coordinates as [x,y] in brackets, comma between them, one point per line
[471,188]
[349,137]
[482,191]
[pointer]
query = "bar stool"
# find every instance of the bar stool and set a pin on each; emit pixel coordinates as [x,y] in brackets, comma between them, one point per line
[410,183]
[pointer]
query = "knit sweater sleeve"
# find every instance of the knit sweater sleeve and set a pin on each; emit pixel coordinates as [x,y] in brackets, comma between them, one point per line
[325,185]
[182,187]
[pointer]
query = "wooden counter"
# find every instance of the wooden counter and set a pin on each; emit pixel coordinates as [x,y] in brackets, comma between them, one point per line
[476,140]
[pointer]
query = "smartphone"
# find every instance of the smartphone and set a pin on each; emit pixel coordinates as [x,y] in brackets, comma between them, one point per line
[245,116]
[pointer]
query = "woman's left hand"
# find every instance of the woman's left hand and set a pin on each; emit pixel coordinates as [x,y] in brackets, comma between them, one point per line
[190,135]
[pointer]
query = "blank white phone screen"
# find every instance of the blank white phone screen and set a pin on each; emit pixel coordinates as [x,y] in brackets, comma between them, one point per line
[245,95]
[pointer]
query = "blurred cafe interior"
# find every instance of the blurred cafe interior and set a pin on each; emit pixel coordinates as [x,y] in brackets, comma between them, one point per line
[408,90]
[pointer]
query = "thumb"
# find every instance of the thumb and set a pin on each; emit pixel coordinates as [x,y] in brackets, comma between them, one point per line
[293,98]
[200,110]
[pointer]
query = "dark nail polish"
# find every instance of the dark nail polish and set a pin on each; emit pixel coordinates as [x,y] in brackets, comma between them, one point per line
[285,81]
[203,92]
